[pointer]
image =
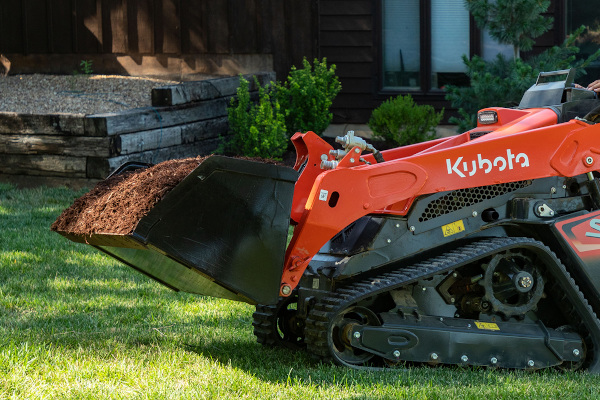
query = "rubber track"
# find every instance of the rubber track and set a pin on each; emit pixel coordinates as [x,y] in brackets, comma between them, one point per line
[263,321]
[576,307]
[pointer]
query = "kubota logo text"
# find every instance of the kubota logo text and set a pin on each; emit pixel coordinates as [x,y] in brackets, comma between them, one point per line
[471,167]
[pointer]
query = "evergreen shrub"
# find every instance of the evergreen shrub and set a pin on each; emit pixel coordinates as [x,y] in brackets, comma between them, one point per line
[400,121]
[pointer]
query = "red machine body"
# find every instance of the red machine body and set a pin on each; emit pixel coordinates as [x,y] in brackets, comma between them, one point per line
[523,143]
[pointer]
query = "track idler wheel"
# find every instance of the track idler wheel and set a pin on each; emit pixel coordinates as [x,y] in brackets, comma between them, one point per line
[573,366]
[340,330]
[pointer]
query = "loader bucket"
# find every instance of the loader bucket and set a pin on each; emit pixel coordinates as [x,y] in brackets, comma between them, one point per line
[220,232]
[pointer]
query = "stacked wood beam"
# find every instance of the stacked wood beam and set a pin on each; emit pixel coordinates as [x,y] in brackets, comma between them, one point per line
[185,120]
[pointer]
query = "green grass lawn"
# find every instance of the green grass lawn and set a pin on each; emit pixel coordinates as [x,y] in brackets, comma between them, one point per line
[76,324]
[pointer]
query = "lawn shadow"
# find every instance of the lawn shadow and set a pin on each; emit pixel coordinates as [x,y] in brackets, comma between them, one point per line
[252,357]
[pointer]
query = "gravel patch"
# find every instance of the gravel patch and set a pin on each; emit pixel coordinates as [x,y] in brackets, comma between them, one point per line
[76,94]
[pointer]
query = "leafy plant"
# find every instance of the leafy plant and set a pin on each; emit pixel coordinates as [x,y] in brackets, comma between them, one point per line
[502,82]
[257,130]
[86,67]
[513,22]
[307,95]
[401,121]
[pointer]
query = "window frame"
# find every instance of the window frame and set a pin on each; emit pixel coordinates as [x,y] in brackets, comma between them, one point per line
[425,51]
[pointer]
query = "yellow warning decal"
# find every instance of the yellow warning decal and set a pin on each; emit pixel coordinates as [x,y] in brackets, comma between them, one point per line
[488,326]
[453,228]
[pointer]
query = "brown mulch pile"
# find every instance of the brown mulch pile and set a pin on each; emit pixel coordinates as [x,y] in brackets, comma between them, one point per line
[117,204]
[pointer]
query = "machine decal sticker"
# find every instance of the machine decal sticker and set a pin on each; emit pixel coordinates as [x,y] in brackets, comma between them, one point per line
[488,326]
[594,224]
[583,234]
[464,168]
[453,228]
[323,195]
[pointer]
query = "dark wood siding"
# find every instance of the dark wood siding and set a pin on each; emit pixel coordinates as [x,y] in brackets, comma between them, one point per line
[285,30]
[347,39]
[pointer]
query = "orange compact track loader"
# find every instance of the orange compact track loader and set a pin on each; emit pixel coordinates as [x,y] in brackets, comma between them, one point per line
[478,249]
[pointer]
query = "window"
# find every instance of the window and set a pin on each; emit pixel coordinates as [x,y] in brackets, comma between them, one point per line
[408,58]
[401,44]
[423,42]
[449,42]
[490,48]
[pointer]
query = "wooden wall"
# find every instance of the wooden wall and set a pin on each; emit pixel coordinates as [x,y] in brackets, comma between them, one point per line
[349,35]
[347,38]
[282,31]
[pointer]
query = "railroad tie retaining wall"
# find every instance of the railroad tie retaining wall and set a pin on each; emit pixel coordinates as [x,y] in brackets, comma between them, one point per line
[185,120]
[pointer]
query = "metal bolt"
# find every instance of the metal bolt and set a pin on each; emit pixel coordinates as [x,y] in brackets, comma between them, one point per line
[397,353]
[474,213]
[397,225]
[452,299]
[469,326]
[357,335]
[352,160]
[441,319]
[464,358]
[589,160]
[412,228]
[576,352]
[424,289]
[494,360]
[525,281]
[286,290]
[552,190]
[564,186]
[531,363]
[356,150]
[389,240]
[434,356]
[454,275]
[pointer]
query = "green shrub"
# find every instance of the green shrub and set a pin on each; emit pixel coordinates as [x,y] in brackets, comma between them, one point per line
[257,129]
[401,121]
[307,95]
